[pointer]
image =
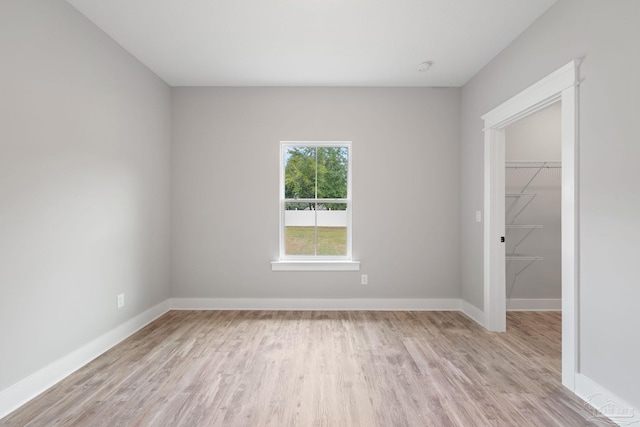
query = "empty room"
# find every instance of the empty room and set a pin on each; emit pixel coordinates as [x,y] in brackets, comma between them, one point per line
[319,213]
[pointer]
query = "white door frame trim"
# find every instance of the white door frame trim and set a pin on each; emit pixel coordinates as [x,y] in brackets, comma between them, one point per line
[561,85]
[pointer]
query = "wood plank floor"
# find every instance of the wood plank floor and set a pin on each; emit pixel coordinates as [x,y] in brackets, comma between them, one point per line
[265,368]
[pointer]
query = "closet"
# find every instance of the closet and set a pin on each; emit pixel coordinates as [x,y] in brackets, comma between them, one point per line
[533,177]
[526,182]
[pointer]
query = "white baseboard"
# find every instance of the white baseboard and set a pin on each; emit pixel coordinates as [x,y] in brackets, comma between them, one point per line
[355,304]
[606,404]
[25,390]
[515,304]
[20,393]
[473,312]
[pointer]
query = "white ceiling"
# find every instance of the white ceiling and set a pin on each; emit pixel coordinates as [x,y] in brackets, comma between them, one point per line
[313,42]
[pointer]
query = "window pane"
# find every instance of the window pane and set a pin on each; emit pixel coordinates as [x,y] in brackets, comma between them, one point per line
[300,173]
[299,229]
[332,229]
[313,227]
[333,163]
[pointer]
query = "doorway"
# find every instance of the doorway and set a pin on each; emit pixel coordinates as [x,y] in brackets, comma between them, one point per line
[533,166]
[560,86]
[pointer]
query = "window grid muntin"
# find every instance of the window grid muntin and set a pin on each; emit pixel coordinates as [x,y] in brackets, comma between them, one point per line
[284,147]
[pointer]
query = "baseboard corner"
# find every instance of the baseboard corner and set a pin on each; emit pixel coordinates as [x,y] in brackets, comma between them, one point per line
[473,312]
[604,404]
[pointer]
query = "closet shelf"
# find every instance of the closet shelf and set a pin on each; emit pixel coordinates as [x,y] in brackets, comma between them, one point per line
[533,165]
[537,168]
[520,257]
[530,227]
[520,194]
[522,202]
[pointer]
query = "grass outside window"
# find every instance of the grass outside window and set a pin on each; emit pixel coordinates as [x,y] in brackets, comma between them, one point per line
[331,241]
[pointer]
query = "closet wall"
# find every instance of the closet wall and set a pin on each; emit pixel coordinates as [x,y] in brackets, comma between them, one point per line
[537,276]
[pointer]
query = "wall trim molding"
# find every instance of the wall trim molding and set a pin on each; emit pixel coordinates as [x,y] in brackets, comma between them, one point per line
[473,312]
[28,388]
[328,304]
[21,392]
[534,304]
[561,85]
[605,404]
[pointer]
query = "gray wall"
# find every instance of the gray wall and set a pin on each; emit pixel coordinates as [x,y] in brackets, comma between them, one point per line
[606,34]
[535,138]
[84,179]
[225,161]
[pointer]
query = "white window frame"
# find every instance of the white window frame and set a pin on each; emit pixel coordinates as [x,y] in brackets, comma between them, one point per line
[315,262]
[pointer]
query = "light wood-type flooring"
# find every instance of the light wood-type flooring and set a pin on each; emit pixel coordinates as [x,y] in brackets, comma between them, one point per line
[267,368]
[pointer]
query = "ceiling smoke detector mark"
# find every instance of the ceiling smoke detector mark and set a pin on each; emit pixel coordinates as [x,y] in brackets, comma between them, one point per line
[425,66]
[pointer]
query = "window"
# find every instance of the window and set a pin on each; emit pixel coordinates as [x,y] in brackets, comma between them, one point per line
[315,202]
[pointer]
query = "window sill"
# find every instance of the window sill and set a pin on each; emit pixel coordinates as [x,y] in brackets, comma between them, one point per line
[314,265]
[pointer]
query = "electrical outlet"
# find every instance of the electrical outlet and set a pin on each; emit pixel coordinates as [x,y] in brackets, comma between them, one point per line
[478,216]
[120,300]
[364,279]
